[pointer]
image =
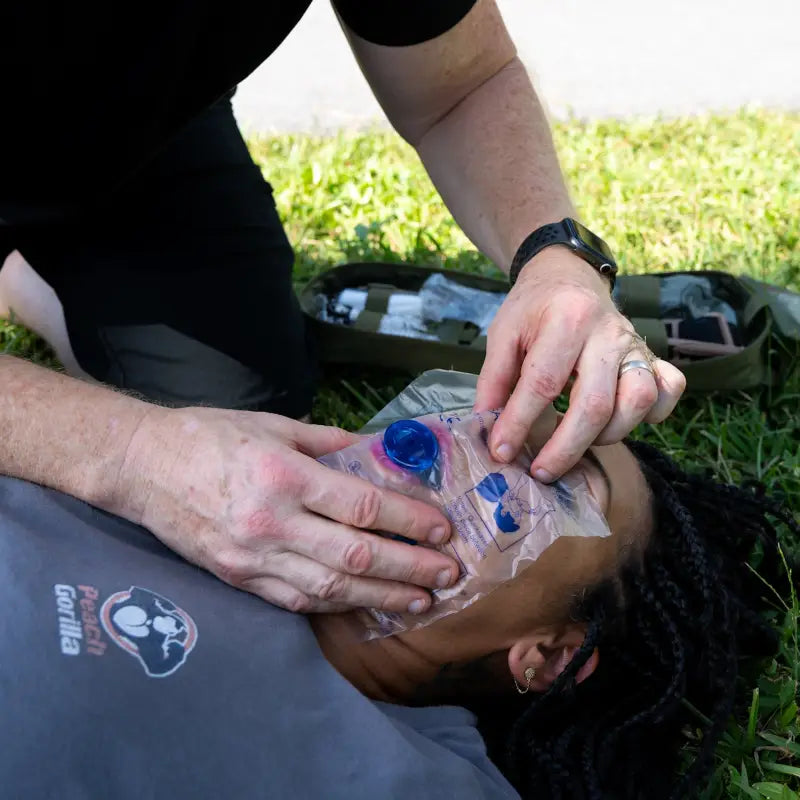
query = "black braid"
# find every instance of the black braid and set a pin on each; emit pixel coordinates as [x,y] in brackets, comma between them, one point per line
[670,639]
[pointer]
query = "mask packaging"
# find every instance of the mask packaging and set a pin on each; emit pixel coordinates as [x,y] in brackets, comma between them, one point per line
[502,519]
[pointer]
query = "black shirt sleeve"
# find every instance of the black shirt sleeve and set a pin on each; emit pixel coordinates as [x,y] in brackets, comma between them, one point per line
[398,23]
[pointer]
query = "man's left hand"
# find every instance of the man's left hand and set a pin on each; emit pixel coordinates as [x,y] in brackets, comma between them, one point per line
[557,322]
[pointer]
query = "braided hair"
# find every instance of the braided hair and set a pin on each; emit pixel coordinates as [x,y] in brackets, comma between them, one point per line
[671,631]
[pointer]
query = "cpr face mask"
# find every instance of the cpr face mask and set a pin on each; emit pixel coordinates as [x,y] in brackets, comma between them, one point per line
[502,519]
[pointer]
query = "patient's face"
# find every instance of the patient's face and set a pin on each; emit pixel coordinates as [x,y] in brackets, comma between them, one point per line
[543,593]
[535,605]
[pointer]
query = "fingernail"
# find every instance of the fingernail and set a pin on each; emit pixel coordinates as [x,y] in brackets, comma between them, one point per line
[543,476]
[503,452]
[417,606]
[443,578]
[437,535]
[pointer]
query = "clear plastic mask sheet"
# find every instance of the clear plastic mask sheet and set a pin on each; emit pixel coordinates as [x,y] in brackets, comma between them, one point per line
[502,519]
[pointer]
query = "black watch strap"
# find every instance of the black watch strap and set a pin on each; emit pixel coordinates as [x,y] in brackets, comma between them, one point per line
[556,233]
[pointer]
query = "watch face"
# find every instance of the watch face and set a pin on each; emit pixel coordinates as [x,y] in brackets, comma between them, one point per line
[593,242]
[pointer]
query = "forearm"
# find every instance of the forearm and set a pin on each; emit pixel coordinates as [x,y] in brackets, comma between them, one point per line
[64,433]
[493,161]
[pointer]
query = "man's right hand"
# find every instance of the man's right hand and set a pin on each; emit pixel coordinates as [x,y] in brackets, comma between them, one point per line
[241,494]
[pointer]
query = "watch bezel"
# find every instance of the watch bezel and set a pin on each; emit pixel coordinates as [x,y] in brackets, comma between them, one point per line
[598,258]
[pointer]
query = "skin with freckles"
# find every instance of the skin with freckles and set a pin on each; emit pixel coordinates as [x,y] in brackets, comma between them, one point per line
[523,623]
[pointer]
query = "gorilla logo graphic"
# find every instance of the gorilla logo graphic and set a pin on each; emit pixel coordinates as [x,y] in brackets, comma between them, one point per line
[151,628]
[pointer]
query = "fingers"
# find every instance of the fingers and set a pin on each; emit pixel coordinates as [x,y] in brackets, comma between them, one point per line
[542,430]
[279,593]
[545,371]
[319,440]
[326,588]
[357,503]
[591,406]
[605,407]
[499,372]
[671,383]
[356,552]
[636,394]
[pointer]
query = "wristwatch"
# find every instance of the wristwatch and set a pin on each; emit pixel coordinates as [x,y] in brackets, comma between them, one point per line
[578,238]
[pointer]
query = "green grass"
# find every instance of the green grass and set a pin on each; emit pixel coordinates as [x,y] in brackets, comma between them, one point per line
[708,192]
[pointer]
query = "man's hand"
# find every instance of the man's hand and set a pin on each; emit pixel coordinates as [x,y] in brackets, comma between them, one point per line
[466,102]
[241,495]
[559,321]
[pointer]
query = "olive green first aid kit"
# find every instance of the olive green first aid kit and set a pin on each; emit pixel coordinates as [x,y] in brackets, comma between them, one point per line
[724,332]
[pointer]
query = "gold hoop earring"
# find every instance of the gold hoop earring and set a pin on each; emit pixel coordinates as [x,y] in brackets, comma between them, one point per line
[530,674]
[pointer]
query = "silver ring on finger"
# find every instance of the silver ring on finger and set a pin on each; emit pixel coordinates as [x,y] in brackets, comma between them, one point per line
[636,364]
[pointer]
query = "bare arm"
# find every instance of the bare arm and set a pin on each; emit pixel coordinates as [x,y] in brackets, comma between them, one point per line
[466,103]
[64,433]
[239,493]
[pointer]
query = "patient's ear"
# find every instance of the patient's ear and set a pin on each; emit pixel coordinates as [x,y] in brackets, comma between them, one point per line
[549,652]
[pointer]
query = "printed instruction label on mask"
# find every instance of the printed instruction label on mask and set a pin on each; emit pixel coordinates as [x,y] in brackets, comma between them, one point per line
[494,514]
[502,519]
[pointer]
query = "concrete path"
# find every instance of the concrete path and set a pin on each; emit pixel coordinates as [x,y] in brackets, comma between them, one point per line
[588,58]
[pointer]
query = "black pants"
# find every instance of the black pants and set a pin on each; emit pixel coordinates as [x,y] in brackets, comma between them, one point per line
[179,287]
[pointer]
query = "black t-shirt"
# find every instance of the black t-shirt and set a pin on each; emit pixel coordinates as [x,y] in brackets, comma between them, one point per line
[91,91]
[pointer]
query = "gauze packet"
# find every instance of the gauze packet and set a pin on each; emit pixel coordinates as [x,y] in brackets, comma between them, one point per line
[502,519]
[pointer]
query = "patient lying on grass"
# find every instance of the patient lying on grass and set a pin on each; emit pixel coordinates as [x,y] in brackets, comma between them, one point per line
[612,636]
[613,640]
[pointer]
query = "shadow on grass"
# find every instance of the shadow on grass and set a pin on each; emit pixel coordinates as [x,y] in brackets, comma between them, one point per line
[372,243]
